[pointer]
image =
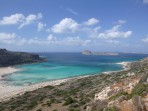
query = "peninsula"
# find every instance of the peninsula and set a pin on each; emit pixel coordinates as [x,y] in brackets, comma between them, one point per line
[9,58]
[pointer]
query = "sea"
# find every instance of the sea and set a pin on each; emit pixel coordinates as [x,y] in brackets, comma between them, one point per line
[67,65]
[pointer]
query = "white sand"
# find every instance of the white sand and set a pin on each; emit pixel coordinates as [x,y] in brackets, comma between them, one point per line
[7,91]
[124,65]
[7,70]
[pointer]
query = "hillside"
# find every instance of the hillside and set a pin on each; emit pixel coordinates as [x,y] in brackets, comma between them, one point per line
[8,58]
[118,91]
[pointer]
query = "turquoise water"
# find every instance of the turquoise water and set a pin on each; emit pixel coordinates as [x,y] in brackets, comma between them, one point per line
[65,65]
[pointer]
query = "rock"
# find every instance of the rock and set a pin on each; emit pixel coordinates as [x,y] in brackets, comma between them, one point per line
[103,94]
[97,105]
[121,98]
[87,52]
[138,104]
[134,104]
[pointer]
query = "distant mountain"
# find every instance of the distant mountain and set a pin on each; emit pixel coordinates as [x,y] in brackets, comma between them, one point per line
[8,58]
[88,52]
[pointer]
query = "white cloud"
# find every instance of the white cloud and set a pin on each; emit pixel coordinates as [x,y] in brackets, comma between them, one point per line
[51,38]
[72,30]
[7,36]
[75,41]
[30,19]
[20,19]
[72,11]
[12,38]
[145,1]
[12,19]
[41,26]
[113,41]
[145,39]
[65,25]
[91,21]
[115,33]
[121,22]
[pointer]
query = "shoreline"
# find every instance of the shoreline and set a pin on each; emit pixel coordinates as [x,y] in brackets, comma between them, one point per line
[14,91]
[7,91]
[7,70]
[124,66]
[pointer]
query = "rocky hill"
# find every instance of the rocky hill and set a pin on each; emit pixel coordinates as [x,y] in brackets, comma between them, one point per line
[118,91]
[88,52]
[8,58]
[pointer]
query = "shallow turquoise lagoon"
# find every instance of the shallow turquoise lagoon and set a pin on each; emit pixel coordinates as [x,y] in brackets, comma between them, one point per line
[66,65]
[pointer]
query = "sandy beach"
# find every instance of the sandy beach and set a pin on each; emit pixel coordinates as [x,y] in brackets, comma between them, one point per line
[7,70]
[124,65]
[8,91]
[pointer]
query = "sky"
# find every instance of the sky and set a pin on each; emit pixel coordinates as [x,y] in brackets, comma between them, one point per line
[74,25]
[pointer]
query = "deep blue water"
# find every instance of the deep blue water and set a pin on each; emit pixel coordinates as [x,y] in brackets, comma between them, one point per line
[65,65]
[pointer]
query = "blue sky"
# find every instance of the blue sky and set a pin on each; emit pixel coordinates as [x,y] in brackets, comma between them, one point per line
[74,25]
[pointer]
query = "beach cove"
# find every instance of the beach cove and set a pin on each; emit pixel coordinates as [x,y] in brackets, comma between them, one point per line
[9,89]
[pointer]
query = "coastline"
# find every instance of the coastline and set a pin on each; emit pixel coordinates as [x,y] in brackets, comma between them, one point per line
[124,66]
[7,70]
[8,92]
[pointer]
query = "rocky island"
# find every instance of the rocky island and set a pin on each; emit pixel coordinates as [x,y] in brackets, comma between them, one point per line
[88,52]
[9,58]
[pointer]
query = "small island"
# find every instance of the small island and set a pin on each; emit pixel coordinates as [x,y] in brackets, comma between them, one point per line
[88,52]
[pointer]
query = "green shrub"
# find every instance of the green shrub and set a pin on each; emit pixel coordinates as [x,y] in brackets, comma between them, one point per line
[49,87]
[73,110]
[48,103]
[111,109]
[39,110]
[118,95]
[139,90]
[52,100]
[68,101]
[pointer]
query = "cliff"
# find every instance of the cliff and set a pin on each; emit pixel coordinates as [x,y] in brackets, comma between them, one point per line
[8,58]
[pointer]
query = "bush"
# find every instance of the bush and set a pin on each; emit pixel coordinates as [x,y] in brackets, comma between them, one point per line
[73,110]
[118,95]
[52,100]
[49,87]
[111,109]
[39,110]
[139,90]
[68,101]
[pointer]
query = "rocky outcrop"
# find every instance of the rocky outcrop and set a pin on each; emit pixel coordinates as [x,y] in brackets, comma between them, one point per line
[97,105]
[8,58]
[128,94]
[88,52]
